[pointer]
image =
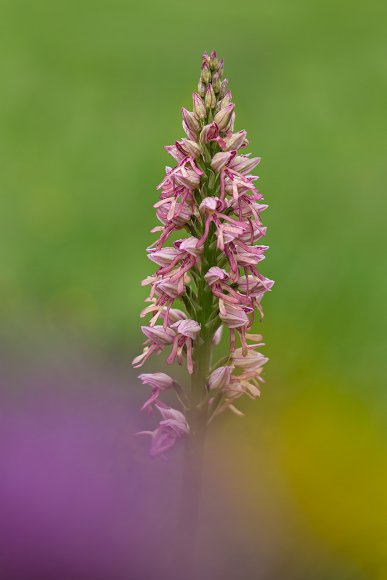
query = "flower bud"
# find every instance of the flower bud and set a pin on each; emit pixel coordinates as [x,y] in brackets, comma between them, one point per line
[223,117]
[190,147]
[244,164]
[206,73]
[220,160]
[227,99]
[223,88]
[190,134]
[205,57]
[221,67]
[216,82]
[220,378]
[213,60]
[230,125]
[201,88]
[175,152]
[210,99]
[190,120]
[235,141]
[198,107]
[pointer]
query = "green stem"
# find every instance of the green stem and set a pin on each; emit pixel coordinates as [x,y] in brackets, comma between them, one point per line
[194,451]
[204,305]
[197,417]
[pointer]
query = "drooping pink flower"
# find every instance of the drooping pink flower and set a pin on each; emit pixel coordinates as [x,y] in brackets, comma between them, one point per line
[228,228]
[158,382]
[158,337]
[217,279]
[173,426]
[255,286]
[165,256]
[233,315]
[186,332]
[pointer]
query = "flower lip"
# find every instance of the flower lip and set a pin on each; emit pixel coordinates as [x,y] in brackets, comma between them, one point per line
[222,159]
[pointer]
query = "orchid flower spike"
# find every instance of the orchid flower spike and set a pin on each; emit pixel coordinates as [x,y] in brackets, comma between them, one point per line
[208,279]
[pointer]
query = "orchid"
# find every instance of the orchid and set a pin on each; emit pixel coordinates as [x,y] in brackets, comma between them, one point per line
[208,278]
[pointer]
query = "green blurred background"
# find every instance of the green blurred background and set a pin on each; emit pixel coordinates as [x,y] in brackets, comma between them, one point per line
[90,92]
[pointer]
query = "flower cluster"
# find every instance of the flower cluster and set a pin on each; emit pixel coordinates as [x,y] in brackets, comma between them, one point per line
[211,271]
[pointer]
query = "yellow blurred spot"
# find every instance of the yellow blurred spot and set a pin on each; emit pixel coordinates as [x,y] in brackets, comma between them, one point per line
[332,450]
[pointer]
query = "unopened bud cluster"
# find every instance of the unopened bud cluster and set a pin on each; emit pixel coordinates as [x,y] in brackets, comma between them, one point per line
[208,278]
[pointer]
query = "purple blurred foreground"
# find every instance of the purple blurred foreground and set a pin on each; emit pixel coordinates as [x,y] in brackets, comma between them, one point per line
[79,497]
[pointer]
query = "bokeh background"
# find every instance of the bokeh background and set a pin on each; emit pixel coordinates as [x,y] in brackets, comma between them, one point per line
[90,92]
